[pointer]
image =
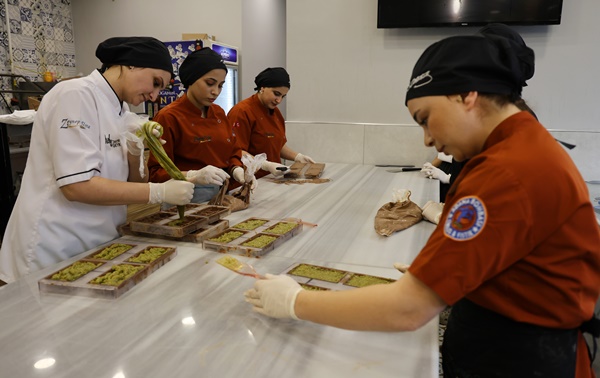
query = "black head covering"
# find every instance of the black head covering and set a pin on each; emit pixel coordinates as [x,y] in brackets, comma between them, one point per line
[145,52]
[494,61]
[198,63]
[272,77]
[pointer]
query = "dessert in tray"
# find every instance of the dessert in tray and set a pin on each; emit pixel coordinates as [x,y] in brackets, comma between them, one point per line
[108,271]
[305,170]
[199,222]
[314,277]
[253,237]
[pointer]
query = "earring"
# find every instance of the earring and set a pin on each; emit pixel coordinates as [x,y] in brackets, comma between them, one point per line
[130,67]
[261,91]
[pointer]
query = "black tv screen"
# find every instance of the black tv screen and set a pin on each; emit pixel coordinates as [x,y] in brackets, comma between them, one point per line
[427,13]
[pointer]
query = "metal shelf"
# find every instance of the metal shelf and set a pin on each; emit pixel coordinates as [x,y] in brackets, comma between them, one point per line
[24,88]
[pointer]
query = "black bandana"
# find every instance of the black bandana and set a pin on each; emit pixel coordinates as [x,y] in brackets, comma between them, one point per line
[495,61]
[145,52]
[271,78]
[198,63]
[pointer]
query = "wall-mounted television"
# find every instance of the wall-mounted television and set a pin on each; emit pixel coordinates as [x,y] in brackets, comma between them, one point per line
[432,13]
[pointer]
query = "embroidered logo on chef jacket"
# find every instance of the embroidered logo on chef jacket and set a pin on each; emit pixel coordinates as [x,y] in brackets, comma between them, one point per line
[71,123]
[114,143]
[202,139]
[465,219]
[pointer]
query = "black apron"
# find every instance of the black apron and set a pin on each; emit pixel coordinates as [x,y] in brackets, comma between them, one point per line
[482,343]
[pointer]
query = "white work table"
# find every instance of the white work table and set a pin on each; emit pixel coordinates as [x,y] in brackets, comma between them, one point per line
[189,318]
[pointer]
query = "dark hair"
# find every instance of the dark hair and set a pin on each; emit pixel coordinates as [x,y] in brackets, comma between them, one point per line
[503,100]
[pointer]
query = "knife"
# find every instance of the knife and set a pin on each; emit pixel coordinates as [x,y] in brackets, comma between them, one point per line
[405,169]
[394,165]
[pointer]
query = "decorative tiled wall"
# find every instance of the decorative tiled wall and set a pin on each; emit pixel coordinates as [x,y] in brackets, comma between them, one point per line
[40,35]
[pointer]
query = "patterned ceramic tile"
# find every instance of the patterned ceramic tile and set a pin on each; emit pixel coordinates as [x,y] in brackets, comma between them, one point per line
[41,35]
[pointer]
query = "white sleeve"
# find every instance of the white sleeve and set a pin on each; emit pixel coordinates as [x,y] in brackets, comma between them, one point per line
[74,137]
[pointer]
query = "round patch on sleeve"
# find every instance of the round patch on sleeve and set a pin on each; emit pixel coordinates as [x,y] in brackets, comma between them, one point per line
[465,219]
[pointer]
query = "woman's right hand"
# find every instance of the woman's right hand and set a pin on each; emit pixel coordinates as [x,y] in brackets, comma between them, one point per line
[176,192]
[273,168]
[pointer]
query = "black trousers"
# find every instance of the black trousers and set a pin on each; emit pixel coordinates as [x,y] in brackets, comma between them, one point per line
[482,343]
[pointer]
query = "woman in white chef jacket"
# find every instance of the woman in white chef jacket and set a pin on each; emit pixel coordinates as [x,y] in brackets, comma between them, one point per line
[81,173]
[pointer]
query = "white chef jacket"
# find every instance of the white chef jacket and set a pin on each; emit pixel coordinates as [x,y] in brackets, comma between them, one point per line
[76,135]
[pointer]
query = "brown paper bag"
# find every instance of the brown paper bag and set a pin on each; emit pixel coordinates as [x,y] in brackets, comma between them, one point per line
[240,200]
[397,216]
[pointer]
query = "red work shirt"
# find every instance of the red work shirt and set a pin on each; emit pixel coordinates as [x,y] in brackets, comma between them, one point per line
[194,142]
[518,234]
[259,129]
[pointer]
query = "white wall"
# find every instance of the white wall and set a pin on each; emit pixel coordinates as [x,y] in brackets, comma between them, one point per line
[349,78]
[347,70]
[263,40]
[97,20]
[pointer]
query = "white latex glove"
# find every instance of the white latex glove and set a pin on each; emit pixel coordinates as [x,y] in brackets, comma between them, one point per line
[254,184]
[402,268]
[435,173]
[274,296]
[209,175]
[432,211]
[238,175]
[303,158]
[272,168]
[443,157]
[136,148]
[176,192]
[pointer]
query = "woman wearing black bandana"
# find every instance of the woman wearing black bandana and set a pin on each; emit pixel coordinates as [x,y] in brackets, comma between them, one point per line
[82,170]
[199,138]
[517,250]
[260,126]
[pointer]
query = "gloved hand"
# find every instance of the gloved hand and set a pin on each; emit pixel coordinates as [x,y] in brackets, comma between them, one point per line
[136,148]
[274,296]
[238,175]
[443,157]
[209,175]
[303,158]
[435,173]
[402,268]
[432,211]
[177,192]
[272,168]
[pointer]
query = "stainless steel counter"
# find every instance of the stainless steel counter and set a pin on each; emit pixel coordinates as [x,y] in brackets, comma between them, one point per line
[189,319]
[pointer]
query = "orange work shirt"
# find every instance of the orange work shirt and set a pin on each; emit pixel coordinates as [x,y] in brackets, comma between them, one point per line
[193,142]
[518,234]
[258,129]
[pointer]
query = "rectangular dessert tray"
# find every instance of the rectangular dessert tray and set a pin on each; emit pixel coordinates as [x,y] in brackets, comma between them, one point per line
[305,170]
[167,223]
[197,236]
[212,212]
[240,238]
[144,259]
[315,277]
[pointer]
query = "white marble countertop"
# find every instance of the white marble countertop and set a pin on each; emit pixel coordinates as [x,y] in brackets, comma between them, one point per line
[189,319]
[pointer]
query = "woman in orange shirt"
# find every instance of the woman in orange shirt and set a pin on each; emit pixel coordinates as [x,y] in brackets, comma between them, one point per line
[517,250]
[260,126]
[198,136]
